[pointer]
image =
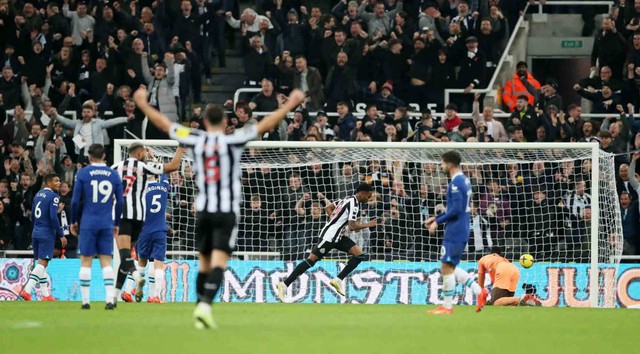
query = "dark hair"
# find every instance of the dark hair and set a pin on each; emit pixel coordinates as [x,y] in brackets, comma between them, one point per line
[49,177]
[402,110]
[245,107]
[497,250]
[96,151]
[370,105]
[214,113]
[465,125]
[342,103]
[451,106]
[452,157]
[523,97]
[514,128]
[522,63]
[364,187]
[300,56]
[403,14]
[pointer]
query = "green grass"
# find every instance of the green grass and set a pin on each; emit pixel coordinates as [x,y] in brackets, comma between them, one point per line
[296,328]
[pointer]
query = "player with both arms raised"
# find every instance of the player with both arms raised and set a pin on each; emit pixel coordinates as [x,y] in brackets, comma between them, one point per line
[343,219]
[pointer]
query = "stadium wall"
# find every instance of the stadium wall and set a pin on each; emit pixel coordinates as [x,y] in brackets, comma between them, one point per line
[371,283]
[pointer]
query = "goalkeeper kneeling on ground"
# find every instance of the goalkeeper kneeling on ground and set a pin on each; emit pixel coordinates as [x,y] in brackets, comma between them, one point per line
[504,277]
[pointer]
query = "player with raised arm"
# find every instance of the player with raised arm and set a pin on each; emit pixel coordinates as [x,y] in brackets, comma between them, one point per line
[217,167]
[344,218]
[152,243]
[504,276]
[456,233]
[46,227]
[96,190]
[134,172]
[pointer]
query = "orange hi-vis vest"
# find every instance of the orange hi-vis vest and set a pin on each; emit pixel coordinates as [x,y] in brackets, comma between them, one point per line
[515,88]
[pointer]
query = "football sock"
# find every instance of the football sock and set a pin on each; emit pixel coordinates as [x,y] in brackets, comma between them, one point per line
[44,286]
[448,289]
[107,275]
[465,279]
[299,269]
[351,265]
[159,277]
[212,285]
[128,283]
[200,280]
[142,271]
[126,263]
[152,286]
[85,283]
[34,278]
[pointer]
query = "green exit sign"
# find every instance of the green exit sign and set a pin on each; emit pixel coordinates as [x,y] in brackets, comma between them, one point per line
[572,44]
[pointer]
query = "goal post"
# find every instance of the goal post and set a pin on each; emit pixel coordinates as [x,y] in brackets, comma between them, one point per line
[556,201]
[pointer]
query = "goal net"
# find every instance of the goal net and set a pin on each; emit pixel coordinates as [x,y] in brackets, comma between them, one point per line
[556,202]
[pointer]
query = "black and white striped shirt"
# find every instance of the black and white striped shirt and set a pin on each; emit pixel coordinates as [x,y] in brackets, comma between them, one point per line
[134,175]
[576,203]
[346,210]
[217,166]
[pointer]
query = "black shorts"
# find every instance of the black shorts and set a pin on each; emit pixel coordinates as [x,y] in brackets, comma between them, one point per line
[323,248]
[131,228]
[497,293]
[216,231]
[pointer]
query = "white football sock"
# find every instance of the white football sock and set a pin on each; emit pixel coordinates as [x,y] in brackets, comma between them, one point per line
[465,279]
[142,271]
[128,283]
[85,283]
[44,286]
[107,275]
[34,278]
[159,282]
[448,289]
[152,286]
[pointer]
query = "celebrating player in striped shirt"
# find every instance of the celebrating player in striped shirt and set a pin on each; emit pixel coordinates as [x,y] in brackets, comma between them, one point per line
[456,233]
[217,165]
[134,172]
[46,227]
[344,218]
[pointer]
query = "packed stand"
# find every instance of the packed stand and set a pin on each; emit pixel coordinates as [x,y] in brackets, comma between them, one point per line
[88,58]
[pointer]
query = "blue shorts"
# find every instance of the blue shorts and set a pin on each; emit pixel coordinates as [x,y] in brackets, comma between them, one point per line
[452,251]
[152,246]
[43,248]
[92,242]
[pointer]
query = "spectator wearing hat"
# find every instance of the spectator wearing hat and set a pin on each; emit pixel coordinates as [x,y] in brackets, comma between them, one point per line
[548,95]
[442,76]
[340,83]
[308,79]
[525,117]
[492,127]
[516,87]
[473,67]
[385,100]
[378,22]
[293,30]
[81,21]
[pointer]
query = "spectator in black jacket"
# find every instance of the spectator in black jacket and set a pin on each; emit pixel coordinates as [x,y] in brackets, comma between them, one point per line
[604,101]
[187,26]
[473,65]
[609,49]
[257,62]
[340,82]
[293,31]
[9,88]
[153,43]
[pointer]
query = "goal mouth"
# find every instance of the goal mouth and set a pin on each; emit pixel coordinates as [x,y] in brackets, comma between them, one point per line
[555,201]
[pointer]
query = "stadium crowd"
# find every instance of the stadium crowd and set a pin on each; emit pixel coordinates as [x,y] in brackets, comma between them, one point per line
[89,57]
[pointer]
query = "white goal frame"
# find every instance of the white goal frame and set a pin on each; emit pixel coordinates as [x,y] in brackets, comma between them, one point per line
[595,177]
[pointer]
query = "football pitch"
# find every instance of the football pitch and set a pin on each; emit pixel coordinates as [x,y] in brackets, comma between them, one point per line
[62,327]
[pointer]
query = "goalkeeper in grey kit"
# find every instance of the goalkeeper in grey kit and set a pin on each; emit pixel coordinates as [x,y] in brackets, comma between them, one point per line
[343,219]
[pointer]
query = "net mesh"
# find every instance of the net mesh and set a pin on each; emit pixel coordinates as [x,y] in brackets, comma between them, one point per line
[535,201]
